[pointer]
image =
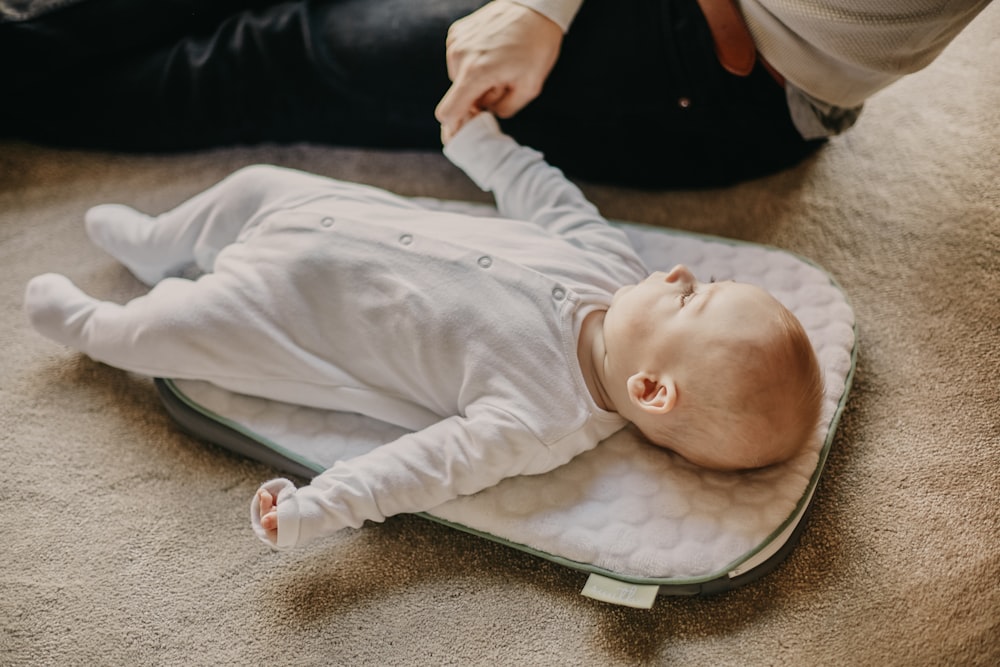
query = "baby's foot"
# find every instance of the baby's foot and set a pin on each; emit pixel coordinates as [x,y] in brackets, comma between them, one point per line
[57,308]
[124,233]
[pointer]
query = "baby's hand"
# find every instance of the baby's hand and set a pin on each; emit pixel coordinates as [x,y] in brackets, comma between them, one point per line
[264,510]
[449,131]
[268,514]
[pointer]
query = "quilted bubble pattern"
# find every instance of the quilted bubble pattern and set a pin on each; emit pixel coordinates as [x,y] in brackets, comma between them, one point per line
[625,507]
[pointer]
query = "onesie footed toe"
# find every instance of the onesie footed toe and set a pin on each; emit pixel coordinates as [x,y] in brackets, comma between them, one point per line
[124,233]
[116,212]
[56,307]
[116,226]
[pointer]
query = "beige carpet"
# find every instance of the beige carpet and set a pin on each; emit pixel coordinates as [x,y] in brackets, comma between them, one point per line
[127,542]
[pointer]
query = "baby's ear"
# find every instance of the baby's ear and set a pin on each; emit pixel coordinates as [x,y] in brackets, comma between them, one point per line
[652,394]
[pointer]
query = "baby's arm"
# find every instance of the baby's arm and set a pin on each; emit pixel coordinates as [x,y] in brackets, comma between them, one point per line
[526,187]
[417,472]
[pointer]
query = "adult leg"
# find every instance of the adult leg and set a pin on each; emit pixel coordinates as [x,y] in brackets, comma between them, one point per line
[638,97]
[355,72]
[49,36]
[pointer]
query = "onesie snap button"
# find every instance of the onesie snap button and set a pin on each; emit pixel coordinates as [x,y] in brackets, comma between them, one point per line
[326,222]
[486,261]
[558,293]
[406,239]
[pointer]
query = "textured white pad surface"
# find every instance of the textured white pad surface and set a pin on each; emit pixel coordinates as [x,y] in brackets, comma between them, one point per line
[626,508]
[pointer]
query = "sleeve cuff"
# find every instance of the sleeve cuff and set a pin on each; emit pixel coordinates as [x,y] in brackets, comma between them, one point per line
[560,12]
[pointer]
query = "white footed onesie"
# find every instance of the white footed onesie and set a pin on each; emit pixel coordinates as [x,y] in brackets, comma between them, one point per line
[341,296]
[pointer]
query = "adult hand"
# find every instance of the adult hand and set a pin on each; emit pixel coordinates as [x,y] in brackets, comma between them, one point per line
[498,59]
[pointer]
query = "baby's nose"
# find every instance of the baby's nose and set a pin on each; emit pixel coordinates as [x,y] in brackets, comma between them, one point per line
[680,273]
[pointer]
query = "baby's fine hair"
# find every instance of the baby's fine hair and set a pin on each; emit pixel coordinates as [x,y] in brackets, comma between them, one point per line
[753,406]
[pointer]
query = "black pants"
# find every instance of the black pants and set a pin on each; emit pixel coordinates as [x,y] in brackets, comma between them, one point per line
[637,96]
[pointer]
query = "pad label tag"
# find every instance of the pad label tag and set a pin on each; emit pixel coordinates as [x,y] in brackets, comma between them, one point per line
[605,589]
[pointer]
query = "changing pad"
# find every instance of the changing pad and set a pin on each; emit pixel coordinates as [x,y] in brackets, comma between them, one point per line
[639,519]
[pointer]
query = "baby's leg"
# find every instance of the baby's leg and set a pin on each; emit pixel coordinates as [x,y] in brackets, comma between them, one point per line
[126,235]
[153,248]
[181,328]
[58,309]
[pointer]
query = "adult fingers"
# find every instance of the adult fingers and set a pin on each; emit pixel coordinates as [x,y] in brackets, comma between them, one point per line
[512,101]
[459,100]
[492,98]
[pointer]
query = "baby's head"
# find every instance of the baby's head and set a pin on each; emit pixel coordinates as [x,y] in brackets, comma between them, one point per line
[719,372]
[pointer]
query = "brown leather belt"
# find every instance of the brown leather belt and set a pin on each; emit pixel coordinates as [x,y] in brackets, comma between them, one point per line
[734,46]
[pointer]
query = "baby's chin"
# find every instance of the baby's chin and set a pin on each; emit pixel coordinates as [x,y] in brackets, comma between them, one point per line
[621,291]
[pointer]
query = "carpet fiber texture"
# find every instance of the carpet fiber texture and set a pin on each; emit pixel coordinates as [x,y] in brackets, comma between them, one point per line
[127,542]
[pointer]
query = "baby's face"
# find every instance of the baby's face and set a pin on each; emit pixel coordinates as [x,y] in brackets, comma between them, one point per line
[684,318]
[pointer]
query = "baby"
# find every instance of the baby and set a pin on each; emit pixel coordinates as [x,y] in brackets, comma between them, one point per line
[507,345]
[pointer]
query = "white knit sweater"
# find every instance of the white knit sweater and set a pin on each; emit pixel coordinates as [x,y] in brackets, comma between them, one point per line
[844,51]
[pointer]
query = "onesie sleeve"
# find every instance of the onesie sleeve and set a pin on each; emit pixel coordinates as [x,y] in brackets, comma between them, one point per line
[417,472]
[560,12]
[526,187]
